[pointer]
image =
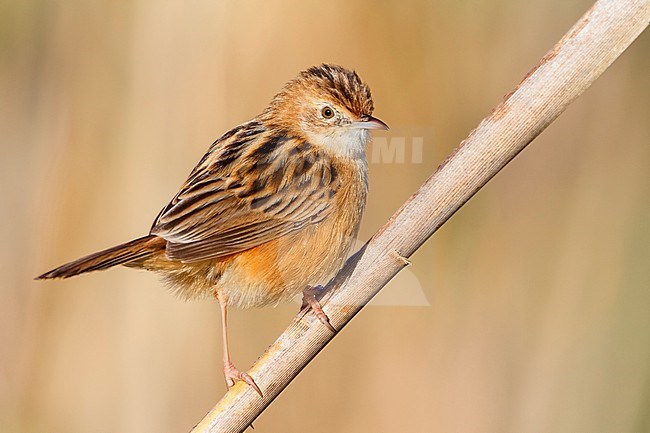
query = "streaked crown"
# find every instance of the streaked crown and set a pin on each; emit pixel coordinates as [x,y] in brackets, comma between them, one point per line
[332,83]
[342,85]
[327,105]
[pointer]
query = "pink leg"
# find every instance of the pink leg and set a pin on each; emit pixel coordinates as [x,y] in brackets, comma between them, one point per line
[230,372]
[309,301]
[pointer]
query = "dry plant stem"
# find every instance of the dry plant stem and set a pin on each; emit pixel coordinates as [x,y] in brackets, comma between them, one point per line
[562,75]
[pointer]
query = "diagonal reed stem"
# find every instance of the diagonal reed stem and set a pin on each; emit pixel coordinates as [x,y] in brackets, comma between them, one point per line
[563,74]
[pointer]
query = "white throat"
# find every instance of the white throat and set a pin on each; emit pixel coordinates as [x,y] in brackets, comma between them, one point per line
[343,141]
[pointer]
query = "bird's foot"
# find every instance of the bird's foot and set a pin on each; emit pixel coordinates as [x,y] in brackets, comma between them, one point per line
[233,375]
[309,301]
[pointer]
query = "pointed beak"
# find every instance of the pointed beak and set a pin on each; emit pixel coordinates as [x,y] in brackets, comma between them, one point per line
[369,122]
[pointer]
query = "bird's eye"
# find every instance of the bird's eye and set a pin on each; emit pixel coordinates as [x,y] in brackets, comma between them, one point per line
[327,113]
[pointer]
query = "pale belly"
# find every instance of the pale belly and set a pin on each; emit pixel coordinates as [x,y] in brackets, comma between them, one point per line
[281,269]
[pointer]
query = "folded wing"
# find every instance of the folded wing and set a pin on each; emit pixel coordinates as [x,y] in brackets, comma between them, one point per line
[252,187]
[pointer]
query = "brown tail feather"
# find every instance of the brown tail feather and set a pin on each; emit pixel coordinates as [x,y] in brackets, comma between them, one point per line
[124,253]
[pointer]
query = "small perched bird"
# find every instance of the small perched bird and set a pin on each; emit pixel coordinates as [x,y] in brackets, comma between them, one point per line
[272,209]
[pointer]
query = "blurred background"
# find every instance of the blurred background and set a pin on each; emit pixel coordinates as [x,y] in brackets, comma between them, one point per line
[531,306]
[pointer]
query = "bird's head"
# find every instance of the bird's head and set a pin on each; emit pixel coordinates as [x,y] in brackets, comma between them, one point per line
[329,106]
